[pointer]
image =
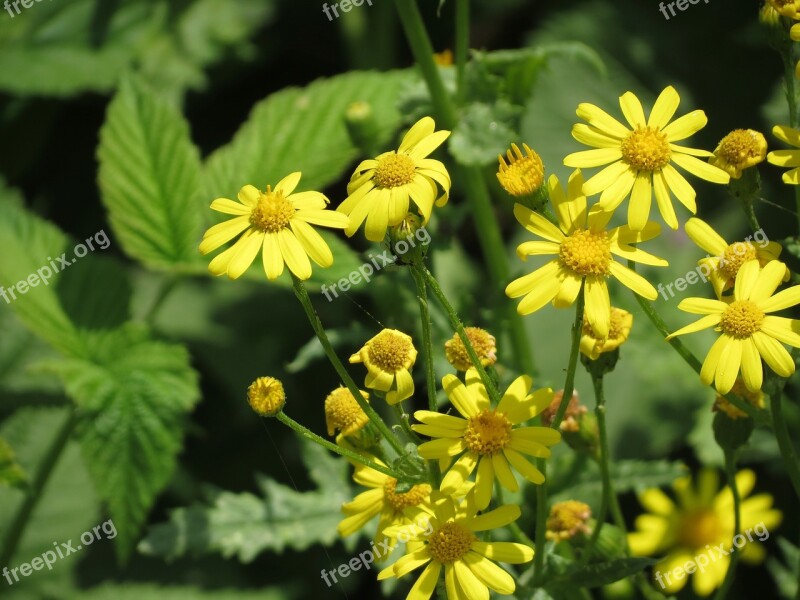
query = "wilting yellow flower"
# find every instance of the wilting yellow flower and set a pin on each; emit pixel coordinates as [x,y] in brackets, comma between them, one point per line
[380,188]
[785,8]
[467,561]
[754,399]
[523,174]
[739,150]
[568,519]
[486,438]
[388,357]
[726,259]
[343,413]
[584,249]
[787,158]
[278,223]
[699,527]
[572,416]
[380,499]
[266,396]
[483,342]
[641,157]
[748,332]
[593,346]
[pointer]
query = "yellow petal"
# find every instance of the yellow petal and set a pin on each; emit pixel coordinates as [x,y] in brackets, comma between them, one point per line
[312,242]
[489,573]
[458,473]
[784,299]
[526,283]
[505,552]
[702,306]
[521,464]
[746,278]
[229,207]
[730,361]
[484,483]
[425,586]
[222,233]
[605,178]
[704,236]
[247,250]
[768,281]
[632,109]
[701,169]
[271,256]
[441,448]
[641,198]
[699,325]
[663,200]
[685,126]
[601,120]
[294,255]
[286,185]
[598,305]
[782,329]
[774,354]
[664,108]
[537,224]
[495,519]
[503,473]
[680,187]
[421,129]
[459,396]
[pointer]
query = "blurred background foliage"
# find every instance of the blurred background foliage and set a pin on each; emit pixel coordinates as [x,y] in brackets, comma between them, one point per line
[157,356]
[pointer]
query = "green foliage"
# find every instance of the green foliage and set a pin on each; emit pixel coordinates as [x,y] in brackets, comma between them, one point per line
[786,572]
[626,475]
[244,525]
[602,573]
[11,474]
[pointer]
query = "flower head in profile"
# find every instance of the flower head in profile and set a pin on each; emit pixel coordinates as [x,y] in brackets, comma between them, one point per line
[523,174]
[739,150]
[787,158]
[786,8]
[584,248]
[483,342]
[451,545]
[381,188]
[343,413]
[641,157]
[726,259]
[698,522]
[266,396]
[748,332]
[276,222]
[388,357]
[568,519]
[489,440]
[620,328]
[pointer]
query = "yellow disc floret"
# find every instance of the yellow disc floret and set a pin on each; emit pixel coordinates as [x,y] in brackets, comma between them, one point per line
[390,350]
[523,174]
[739,150]
[394,170]
[482,341]
[568,519]
[646,149]
[786,8]
[450,542]
[741,319]
[700,527]
[587,252]
[266,396]
[735,256]
[343,413]
[488,432]
[272,212]
[413,497]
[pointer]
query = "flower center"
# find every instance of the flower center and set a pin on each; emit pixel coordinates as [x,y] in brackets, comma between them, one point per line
[266,396]
[389,351]
[587,252]
[450,542]
[487,432]
[741,319]
[524,174]
[735,256]
[567,519]
[482,341]
[394,170]
[416,495]
[699,528]
[272,213]
[342,412]
[646,149]
[741,146]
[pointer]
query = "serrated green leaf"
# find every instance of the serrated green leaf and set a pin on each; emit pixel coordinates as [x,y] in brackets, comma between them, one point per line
[626,475]
[245,525]
[11,474]
[149,178]
[483,132]
[134,394]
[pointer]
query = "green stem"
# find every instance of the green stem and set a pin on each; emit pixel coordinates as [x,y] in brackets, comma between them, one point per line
[316,325]
[459,327]
[730,471]
[349,454]
[787,449]
[402,418]
[427,344]
[34,491]
[516,530]
[164,291]
[569,383]
[462,45]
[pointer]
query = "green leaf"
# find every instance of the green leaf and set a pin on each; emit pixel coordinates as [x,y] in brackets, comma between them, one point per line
[148,591]
[149,178]
[244,525]
[786,573]
[603,573]
[483,132]
[11,474]
[134,394]
[626,475]
[302,130]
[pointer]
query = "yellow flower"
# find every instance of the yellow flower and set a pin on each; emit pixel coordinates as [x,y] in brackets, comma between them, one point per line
[584,249]
[380,499]
[593,346]
[388,357]
[739,150]
[641,157]
[787,158]
[486,438]
[467,561]
[266,396]
[568,519]
[380,188]
[700,522]
[755,399]
[523,175]
[726,259]
[443,58]
[483,342]
[343,413]
[278,223]
[749,332]
[786,8]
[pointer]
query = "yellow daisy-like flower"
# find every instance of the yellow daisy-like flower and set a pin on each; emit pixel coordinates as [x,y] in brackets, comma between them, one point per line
[584,249]
[343,413]
[487,438]
[699,527]
[266,396]
[483,342]
[749,332]
[568,519]
[642,157]
[787,158]
[381,188]
[380,499]
[388,357]
[786,8]
[523,175]
[739,150]
[469,570]
[593,346]
[277,222]
[755,399]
